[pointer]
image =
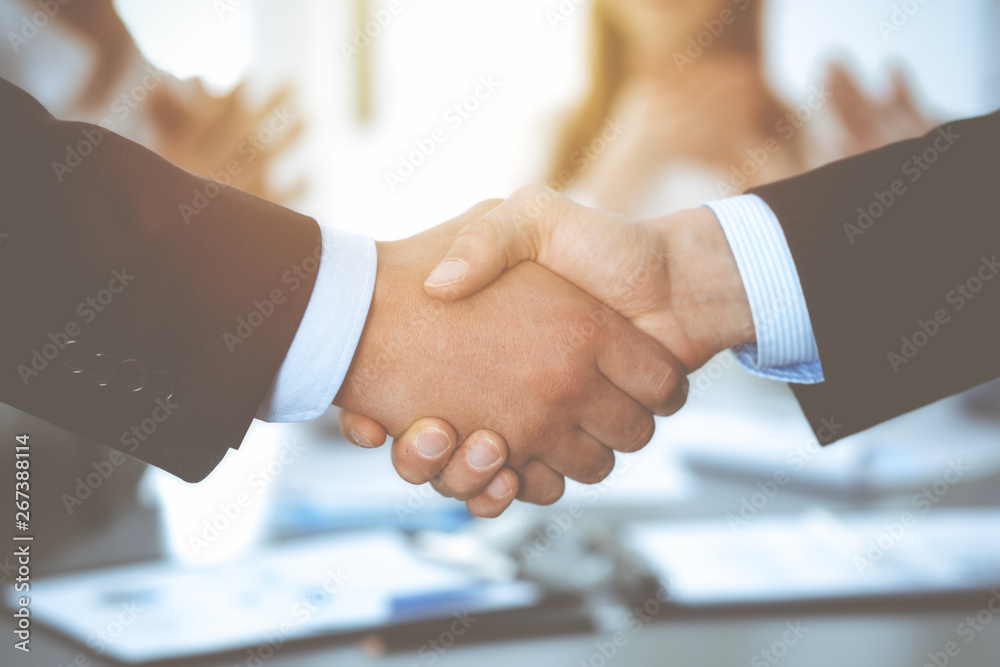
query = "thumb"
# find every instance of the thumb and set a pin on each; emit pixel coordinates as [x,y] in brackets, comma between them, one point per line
[504,237]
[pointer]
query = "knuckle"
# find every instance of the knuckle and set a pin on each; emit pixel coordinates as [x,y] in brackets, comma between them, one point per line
[413,474]
[598,473]
[532,433]
[679,400]
[531,191]
[442,488]
[463,495]
[480,234]
[578,331]
[459,487]
[519,457]
[664,384]
[537,201]
[560,385]
[409,465]
[637,432]
[539,486]
[549,496]
[484,511]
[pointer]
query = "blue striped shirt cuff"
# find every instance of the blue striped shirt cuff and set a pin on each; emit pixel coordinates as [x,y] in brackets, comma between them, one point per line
[786,347]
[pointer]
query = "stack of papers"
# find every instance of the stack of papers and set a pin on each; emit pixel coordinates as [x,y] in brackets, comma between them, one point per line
[302,589]
[816,556]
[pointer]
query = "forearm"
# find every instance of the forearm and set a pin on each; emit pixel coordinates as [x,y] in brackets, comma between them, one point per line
[100,250]
[884,242]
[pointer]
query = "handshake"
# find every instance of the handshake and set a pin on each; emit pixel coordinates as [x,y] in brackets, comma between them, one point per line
[547,336]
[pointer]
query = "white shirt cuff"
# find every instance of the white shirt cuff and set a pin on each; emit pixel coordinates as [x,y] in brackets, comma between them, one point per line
[321,352]
[786,347]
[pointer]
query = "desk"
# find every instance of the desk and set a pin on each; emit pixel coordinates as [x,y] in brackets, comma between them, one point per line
[902,640]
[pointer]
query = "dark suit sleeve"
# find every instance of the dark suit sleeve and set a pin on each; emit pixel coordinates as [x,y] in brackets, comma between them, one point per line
[897,252]
[143,307]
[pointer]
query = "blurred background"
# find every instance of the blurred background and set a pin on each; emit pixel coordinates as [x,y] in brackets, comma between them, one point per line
[733,538]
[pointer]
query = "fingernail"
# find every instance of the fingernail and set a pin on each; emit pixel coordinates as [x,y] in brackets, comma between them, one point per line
[484,454]
[432,443]
[499,487]
[446,273]
[359,439]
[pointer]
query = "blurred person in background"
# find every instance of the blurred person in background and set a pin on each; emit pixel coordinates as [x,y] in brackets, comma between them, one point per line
[83,64]
[683,115]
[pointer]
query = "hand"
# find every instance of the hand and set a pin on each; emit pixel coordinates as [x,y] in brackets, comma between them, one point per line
[674,277]
[209,135]
[532,358]
[870,123]
[100,26]
[474,472]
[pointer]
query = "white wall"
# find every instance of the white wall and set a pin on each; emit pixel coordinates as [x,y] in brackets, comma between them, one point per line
[950,47]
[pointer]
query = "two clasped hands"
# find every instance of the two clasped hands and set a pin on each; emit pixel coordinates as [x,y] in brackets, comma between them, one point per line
[548,336]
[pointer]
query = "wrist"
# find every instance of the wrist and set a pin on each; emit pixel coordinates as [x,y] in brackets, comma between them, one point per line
[363,384]
[705,280]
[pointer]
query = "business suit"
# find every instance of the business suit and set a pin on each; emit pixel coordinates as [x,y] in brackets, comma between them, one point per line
[897,255]
[156,275]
